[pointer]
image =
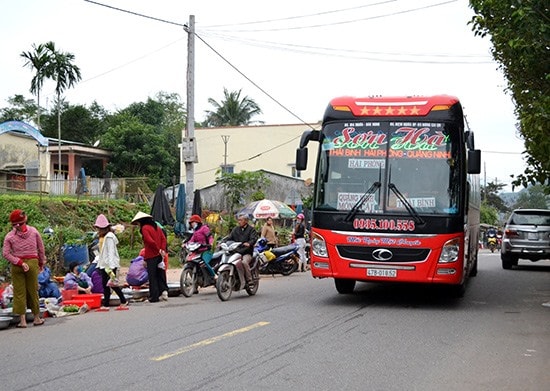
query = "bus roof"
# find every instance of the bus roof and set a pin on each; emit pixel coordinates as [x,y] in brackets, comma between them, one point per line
[394,106]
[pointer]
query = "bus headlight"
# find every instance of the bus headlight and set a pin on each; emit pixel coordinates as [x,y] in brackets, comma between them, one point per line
[318,246]
[450,251]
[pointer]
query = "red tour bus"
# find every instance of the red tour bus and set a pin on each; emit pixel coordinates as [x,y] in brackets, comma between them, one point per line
[396,194]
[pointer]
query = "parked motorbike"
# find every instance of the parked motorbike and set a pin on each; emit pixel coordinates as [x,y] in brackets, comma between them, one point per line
[278,260]
[231,272]
[194,273]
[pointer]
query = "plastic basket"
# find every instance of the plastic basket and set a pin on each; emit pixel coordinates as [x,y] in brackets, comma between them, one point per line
[67,294]
[93,299]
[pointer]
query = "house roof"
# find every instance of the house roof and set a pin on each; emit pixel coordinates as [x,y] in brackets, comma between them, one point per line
[22,127]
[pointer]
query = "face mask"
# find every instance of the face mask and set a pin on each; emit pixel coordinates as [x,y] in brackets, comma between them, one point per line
[79,269]
[193,225]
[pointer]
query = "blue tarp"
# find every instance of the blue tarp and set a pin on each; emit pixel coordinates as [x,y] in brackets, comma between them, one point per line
[179,226]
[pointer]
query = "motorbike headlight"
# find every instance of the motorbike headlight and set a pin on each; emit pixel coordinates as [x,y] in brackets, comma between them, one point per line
[450,251]
[319,246]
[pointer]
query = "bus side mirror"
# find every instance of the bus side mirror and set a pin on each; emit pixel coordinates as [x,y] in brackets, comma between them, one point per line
[301,159]
[474,161]
[470,143]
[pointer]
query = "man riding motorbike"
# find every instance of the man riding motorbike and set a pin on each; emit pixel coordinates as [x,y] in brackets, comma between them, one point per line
[247,235]
[492,239]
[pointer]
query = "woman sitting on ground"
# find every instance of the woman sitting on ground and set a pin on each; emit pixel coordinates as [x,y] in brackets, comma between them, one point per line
[77,279]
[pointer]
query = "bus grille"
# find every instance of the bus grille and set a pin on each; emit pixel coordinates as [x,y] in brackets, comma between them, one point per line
[398,254]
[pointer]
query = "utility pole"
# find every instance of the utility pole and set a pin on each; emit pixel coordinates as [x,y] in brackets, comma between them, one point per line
[484,181]
[225,141]
[188,144]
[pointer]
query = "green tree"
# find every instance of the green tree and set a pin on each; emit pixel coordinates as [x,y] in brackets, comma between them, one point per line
[20,109]
[65,74]
[488,214]
[239,187]
[38,60]
[232,111]
[78,122]
[166,114]
[520,35]
[533,197]
[174,113]
[138,150]
[489,194]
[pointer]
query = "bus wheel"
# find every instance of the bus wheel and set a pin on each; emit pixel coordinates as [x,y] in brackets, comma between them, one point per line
[457,291]
[344,286]
[473,270]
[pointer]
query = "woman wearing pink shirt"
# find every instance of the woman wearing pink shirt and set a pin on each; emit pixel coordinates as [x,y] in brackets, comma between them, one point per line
[24,249]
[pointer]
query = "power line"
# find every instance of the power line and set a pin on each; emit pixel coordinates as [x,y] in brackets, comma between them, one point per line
[133,61]
[302,16]
[284,44]
[135,13]
[344,21]
[354,54]
[215,51]
[252,82]
[235,68]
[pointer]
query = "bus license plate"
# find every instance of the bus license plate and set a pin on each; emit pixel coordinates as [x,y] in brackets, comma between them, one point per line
[392,273]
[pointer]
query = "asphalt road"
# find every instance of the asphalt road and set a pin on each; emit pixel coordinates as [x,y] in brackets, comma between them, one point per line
[298,333]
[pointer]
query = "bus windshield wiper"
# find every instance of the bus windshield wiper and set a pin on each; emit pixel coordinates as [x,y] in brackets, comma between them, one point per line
[355,208]
[407,204]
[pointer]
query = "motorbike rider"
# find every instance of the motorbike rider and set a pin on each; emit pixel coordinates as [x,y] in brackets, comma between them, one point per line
[202,235]
[492,236]
[247,235]
[491,233]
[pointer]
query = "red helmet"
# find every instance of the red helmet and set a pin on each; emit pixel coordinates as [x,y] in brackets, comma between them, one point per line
[195,219]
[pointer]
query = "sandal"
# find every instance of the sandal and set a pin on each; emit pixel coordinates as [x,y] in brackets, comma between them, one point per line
[35,323]
[122,307]
[103,309]
[21,326]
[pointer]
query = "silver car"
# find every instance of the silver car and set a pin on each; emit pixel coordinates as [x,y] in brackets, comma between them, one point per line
[526,236]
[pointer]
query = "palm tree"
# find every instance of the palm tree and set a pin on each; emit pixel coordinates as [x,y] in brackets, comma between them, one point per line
[38,59]
[65,74]
[232,111]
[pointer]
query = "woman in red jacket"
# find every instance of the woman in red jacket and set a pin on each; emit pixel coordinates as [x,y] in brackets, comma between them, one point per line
[24,248]
[154,244]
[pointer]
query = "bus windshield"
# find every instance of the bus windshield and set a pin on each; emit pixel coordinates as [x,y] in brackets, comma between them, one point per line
[389,167]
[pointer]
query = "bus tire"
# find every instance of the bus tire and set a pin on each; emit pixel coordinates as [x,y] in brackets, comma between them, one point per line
[344,286]
[473,270]
[458,291]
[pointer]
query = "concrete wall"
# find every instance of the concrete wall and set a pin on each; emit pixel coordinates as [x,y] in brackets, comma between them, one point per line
[281,188]
[250,148]
[19,152]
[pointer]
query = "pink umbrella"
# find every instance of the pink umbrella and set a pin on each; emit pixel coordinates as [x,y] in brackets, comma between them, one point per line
[268,208]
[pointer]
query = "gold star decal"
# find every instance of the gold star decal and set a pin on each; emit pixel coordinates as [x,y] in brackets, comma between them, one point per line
[365,110]
[401,111]
[389,110]
[415,110]
[377,111]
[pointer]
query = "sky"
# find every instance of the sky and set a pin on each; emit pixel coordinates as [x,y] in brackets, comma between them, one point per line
[291,57]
